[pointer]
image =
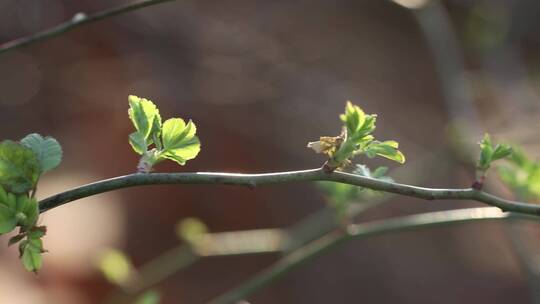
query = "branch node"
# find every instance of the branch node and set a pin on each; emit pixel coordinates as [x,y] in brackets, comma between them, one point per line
[477,185]
[479,182]
[327,168]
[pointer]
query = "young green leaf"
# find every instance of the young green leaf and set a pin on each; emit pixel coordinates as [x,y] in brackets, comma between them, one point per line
[3,196]
[138,143]
[143,113]
[501,151]
[489,154]
[48,151]
[31,254]
[22,202]
[155,133]
[486,152]
[355,139]
[19,167]
[179,141]
[176,132]
[8,221]
[174,139]
[386,149]
[354,118]
[31,211]
[11,201]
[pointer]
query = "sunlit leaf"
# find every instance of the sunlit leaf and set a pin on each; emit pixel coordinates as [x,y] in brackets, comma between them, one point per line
[355,139]
[501,151]
[386,149]
[143,114]
[353,118]
[489,154]
[138,143]
[179,141]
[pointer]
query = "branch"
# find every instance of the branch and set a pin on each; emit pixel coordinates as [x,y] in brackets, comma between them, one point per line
[359,231]
[253,180]
[76,21]
[169,263]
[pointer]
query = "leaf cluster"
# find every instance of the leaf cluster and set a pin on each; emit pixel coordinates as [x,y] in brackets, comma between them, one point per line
[156,141]
[356,138]
[490,153]
[21,165]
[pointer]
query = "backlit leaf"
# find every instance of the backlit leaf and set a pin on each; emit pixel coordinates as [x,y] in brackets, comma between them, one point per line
[137,142]
[143,113]
[179,141]
[501,151]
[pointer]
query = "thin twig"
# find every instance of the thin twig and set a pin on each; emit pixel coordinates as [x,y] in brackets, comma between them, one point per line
[78,20]
[252,180]
[355,232]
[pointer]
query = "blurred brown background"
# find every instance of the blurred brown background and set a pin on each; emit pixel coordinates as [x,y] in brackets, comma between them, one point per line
[261,79]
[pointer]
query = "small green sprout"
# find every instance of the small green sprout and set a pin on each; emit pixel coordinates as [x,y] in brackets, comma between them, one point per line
[488,154]
[174,139]
[355,139]
[21,165]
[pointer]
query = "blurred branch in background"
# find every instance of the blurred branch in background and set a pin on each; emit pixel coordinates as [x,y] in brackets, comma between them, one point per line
[438,31]
[522,175]
[78,20]
[355,232]
[233,243]
[440,34]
